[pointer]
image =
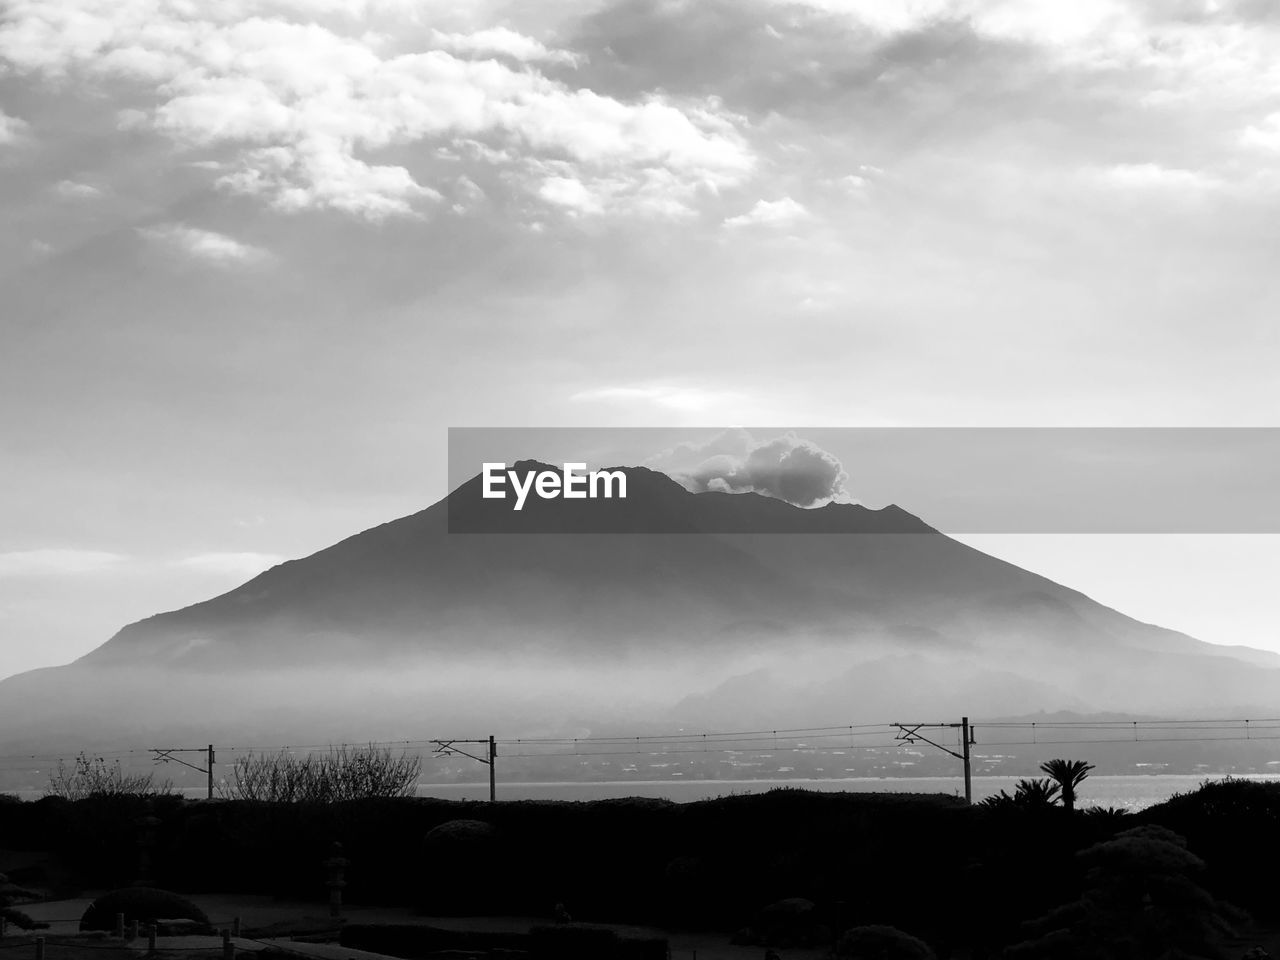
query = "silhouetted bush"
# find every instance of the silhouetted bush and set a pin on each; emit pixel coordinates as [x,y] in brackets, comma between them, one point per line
[877,942]
[1028,793]
[344,773]
[1140,899]
[460,868]
[143,904]
[1232,824]
[94,777]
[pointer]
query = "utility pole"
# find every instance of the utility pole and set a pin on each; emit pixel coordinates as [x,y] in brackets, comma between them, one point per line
[910,733]
[446,747]
[165,755]
[493,773]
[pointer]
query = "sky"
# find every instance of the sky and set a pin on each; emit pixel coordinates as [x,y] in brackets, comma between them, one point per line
[258,256]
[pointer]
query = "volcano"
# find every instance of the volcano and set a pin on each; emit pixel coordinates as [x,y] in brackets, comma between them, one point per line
[665,605]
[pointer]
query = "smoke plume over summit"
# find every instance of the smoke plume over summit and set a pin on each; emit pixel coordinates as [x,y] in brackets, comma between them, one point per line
[786,467]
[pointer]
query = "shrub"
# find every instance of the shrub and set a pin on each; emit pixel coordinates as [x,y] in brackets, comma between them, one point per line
[1141,899]
[881,943]
[344,773]
[94,777]
[144,904]
[463,874]
[1028,793]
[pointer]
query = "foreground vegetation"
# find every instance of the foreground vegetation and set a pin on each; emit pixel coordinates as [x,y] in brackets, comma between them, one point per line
[1016,879]
[343,773]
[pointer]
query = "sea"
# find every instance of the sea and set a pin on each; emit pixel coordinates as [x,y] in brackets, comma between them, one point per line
[1127,792]
[1132,792]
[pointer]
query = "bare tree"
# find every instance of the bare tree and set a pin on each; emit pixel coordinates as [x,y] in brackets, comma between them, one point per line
[94,777]
[344,773]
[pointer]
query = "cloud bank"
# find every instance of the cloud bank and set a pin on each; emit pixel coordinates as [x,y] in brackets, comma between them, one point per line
[306,105]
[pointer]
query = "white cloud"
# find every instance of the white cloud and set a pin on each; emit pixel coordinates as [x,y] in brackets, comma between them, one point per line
[504,41]
[306,106]
[202,244]
[74,190]
[652,193]
[1152,176]
[570,193]
[231,564]
[688,399]
[1265,134]
[57,561]
[11,128]
[771,213]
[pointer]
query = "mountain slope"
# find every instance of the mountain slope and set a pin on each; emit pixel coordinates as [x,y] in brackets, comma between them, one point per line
[639,603]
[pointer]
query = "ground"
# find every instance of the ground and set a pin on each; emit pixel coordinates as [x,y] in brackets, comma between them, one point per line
[276,916]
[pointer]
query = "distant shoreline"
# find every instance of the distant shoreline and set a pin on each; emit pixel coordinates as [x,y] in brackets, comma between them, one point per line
[1129,791]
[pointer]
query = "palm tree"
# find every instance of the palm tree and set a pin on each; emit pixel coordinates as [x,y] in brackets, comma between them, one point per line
[1029,793]
[1068,774]
[1036,793]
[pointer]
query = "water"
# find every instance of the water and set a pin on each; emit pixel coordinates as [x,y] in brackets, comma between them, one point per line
[1128,792]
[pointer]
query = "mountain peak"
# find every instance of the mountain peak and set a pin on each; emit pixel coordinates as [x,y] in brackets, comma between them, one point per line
[655,503]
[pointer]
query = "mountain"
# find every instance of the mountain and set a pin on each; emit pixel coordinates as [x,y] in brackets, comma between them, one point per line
[667,605]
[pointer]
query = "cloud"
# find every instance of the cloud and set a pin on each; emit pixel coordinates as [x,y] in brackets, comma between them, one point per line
[785,467]
[73,190]
[690,399]
[571,194]
[503,41]
[1265,135]
[467,195]
[306,106]
[1152,176]
[231,564]
[11,128]
[770,213]
[204,245]
[57,561]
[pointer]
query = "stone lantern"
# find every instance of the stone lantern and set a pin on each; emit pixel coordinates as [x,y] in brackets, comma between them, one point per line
[336,867]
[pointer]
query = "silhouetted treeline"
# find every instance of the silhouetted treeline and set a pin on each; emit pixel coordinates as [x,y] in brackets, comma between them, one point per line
[970,879]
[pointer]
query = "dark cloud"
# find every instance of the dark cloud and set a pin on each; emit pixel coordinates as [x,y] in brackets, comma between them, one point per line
[785,467]
[763,57]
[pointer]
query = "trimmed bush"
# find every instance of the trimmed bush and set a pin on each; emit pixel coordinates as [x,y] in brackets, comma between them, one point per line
[462,874]
[881,943]
[144,904]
